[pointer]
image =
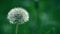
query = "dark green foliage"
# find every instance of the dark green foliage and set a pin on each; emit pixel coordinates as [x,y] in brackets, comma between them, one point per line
[44,17]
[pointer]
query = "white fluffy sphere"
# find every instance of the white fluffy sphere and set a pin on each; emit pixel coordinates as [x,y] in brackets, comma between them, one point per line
[18,15]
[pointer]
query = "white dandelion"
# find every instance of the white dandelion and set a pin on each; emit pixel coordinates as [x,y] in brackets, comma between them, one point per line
[18,15]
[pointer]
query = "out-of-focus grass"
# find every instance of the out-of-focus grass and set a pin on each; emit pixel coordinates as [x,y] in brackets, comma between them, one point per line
[44,17]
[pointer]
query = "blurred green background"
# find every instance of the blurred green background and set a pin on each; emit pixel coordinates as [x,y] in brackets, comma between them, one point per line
[44,16]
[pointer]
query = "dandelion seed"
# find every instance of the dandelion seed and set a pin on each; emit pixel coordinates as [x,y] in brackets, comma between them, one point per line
[18,15]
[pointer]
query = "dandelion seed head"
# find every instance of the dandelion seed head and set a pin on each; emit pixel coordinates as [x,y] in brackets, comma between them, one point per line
[18,15]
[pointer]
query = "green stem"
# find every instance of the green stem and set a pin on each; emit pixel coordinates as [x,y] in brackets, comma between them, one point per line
[16,29]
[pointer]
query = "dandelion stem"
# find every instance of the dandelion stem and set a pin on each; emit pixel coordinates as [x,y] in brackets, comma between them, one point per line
[16,32]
